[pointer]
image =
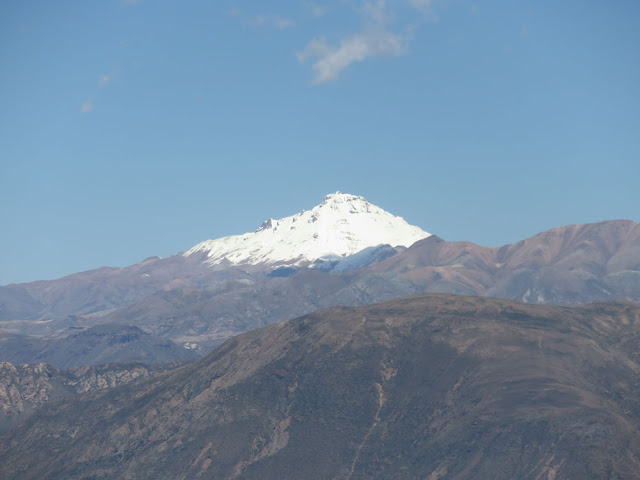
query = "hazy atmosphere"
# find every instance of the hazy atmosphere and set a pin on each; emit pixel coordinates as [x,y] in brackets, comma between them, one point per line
[142,127]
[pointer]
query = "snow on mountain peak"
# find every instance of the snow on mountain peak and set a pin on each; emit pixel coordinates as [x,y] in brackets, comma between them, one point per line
[343,224]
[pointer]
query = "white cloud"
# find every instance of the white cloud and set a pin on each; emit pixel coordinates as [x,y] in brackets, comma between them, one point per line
[331,60]
[87,106]
[378,18]
[274,20]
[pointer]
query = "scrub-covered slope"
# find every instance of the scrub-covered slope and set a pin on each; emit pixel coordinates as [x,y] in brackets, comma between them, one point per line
[434,386]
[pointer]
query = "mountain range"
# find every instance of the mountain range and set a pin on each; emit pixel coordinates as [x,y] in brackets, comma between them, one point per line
[498,366]
[434,387]
[345,251]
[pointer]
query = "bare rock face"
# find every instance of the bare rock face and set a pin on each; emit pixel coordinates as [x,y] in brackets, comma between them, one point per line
[26,388]
[431,386]
[88,378]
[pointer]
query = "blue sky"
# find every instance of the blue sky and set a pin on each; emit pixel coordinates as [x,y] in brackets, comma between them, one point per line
[137,128]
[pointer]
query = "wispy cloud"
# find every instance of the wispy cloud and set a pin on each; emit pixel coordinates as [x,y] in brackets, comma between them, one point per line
[386,29]
[330,61]
[379,36]
[273,20]
[103,80]
[318,10]
[88,105]
[425,6]
[376,12]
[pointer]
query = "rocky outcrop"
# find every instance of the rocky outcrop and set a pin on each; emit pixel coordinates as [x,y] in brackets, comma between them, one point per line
[26,388]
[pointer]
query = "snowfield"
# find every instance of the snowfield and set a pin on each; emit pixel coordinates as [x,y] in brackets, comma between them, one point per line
[340,226]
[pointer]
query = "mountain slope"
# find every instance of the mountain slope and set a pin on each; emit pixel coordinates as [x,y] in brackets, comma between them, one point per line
[571,264]
[103,343]
[304,262]
[340,226]
[26,388]
[432,386]
[574,264]
[567,265]
[101,290]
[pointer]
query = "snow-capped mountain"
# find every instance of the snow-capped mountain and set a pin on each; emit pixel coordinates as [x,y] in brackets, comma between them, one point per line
[340,226]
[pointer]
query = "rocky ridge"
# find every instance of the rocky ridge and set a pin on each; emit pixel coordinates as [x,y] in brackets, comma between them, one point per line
[433,386]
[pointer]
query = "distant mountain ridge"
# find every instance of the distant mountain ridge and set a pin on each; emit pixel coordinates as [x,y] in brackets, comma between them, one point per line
[575,264]
[100,344]
[327,236]
[568,265]
[197,303]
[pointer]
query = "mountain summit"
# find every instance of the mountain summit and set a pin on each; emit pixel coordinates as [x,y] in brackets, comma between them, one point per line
[342,225]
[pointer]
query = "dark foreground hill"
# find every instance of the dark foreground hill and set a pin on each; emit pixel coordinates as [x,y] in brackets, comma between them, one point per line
[433,386]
